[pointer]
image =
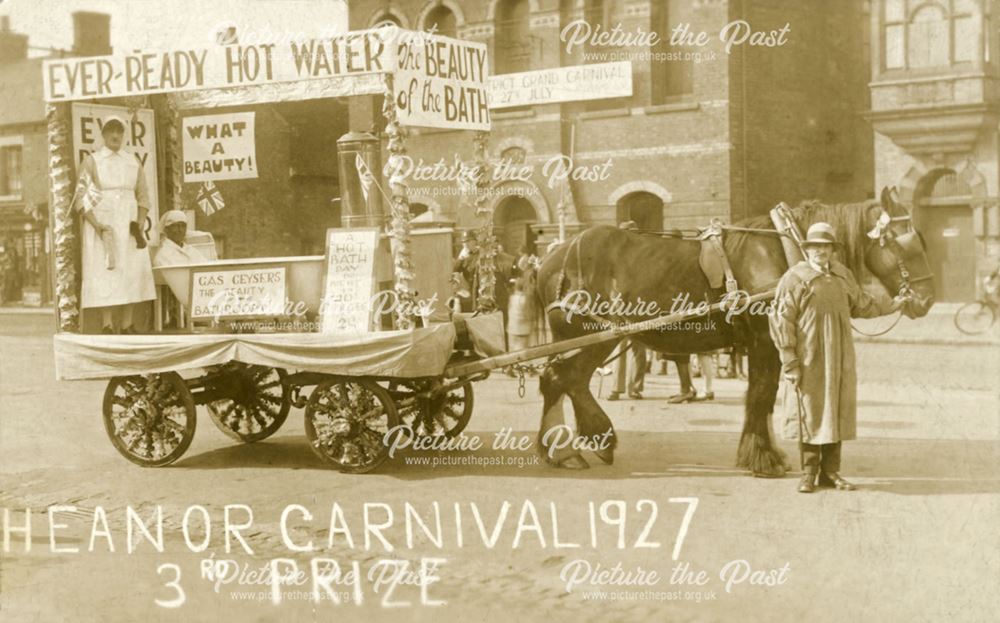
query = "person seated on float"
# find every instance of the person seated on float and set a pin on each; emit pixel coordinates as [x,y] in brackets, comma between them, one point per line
[173,251]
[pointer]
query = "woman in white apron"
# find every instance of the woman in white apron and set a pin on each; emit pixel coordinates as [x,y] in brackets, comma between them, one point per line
[112,194]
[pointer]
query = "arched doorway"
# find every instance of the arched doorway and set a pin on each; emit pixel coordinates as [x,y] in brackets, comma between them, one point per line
[512,222]
[645,208]
[943,215]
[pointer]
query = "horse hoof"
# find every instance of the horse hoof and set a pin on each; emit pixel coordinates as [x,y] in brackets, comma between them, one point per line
[574,462]
[608,456]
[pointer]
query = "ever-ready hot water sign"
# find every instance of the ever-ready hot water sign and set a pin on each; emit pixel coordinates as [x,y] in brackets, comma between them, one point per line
[219,147]
[144,73]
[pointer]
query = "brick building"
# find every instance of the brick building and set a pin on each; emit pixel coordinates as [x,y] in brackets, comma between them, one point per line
[24,185]
[24,182]
[704,134]
[935,110]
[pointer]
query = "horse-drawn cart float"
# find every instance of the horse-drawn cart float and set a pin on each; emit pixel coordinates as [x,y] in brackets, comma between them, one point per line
[367,373]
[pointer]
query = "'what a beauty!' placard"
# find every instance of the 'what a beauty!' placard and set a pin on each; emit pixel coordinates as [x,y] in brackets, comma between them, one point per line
[219,147]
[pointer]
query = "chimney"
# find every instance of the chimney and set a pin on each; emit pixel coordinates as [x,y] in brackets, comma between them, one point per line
[13,46]
[91,34]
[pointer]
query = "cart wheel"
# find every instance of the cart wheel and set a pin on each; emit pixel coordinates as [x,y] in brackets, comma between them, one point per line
[974,318]
[149,419]
[346,423]
[441,413]
[256,403]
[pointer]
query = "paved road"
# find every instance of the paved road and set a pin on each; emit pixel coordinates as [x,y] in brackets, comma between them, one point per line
[923,523]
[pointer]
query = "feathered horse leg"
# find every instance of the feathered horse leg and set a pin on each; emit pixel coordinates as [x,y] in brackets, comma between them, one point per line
[757,451]
[553,387]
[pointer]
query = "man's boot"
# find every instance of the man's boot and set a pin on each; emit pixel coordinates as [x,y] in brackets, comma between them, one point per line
[808,482]
[833,479]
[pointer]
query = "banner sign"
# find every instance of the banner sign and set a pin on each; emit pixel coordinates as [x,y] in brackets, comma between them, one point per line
[140,139]
[221,294]
[219,67]
[350,280]
[219,147]
[441,83]
[561,84]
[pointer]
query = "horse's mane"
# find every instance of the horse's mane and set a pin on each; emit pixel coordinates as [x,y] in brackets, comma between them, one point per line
[848,219]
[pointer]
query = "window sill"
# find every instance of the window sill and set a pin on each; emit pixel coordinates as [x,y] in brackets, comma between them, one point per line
[667,108]
[605,114]
[11,198]
[514,114]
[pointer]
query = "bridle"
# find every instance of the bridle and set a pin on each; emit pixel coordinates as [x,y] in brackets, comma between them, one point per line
[904,245]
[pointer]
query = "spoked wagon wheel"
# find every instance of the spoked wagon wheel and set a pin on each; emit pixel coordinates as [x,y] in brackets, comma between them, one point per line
[346,423]
[975,318]
[255,402]
[149,419]
[433,407]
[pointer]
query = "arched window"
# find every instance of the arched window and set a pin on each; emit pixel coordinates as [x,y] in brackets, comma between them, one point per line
[929,33]
[441,21]
[416,209]
[514,155]
[645,208]
[513,45]
[928,40]
[386,19]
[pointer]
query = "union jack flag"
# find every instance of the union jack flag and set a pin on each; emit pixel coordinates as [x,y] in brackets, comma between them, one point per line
[364,174]
[209,198]
[87,193]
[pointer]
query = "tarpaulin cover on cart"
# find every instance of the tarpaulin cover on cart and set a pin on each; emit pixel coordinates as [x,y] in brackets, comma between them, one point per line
[404,354]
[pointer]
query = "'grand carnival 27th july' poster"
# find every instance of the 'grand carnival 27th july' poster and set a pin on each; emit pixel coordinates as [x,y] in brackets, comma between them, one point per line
[669,310]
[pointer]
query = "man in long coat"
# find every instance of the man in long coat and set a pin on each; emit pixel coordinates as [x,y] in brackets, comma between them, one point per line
[811,326]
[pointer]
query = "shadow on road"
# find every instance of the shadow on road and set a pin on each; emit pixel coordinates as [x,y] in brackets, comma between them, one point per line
[924,486]
[904,467]
[285,453]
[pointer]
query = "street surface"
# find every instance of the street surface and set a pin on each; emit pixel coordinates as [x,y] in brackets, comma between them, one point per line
[917,541]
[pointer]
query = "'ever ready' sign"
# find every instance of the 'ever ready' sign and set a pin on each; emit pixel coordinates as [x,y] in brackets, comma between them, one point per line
[219,147]
[139,139]
[218,67]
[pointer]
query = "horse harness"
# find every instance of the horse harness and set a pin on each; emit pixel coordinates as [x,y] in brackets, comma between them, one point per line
[907,244]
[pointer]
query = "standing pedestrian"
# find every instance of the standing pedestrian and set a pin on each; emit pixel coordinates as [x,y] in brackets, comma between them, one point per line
[6,267]
[687,392]
[811,327]
[630,370]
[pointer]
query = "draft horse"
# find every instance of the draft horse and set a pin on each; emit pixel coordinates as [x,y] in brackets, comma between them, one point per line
[877,238]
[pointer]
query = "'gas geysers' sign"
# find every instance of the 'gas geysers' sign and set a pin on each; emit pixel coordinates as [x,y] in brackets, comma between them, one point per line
[221,294]
[350,280]
[441,82]
[219,147]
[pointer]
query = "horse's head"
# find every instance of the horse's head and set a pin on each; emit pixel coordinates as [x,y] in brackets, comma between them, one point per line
[896,254]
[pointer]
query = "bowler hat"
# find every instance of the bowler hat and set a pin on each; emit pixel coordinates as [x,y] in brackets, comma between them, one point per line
[820,233]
